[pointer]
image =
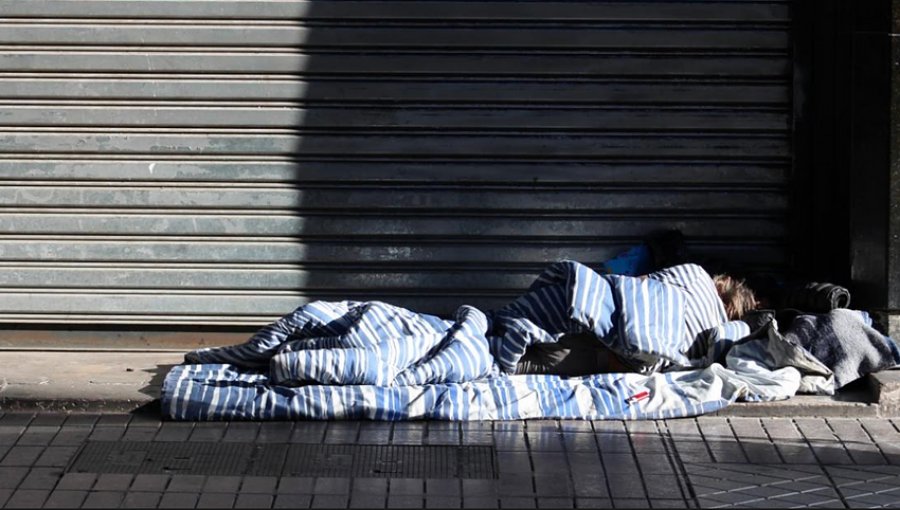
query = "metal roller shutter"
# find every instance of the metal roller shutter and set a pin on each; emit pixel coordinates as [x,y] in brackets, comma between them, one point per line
[221,162]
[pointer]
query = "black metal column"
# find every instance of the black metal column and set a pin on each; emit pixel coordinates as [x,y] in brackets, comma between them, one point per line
[874,162]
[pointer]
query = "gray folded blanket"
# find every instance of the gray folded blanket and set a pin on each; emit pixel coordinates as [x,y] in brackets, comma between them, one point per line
[845,341]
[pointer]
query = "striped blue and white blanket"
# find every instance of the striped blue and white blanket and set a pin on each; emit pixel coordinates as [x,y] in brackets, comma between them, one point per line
[372,360]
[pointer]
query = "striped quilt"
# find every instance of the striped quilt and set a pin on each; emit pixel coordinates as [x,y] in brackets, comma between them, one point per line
[372,360]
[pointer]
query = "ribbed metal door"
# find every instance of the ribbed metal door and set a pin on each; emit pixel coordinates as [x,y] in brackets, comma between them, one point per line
[221,162]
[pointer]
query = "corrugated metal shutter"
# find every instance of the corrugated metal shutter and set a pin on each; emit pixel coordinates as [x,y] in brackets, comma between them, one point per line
[221,162]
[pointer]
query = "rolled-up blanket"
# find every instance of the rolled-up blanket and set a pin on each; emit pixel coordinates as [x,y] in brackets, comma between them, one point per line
[816,297]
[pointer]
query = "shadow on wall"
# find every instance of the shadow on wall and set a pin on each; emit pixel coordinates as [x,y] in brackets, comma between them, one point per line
[445,154]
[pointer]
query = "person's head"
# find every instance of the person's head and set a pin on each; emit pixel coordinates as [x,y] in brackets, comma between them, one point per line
[737,297]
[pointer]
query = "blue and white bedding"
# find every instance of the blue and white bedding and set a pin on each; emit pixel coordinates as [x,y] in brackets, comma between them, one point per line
[372,360]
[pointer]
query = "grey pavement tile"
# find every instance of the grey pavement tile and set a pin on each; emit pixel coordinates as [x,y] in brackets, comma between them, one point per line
[655,464]
[292,501]
[789,441]
[620,463]
[720,439]
[9,434]
[477,437]
[275,432]
[866,454]
[178,500]
[208,431]
[296,485]
[358,500]
[512,485]
[623,486]
[517,502]
[729,498]
[443,502]
[812,498]
[27,498]
[545,441]
[481,502]
[646,437]
[4,495]
[65,499]
[113,482]
[329,501]
[38,435]
[508,426]
[513,462]
[260,484]
[217,500]
[149,483]
[174,431]
[405,501]
[590,485]
[341,432]
[443,487]
[479,488]
[106,433]
[814,429]
[549,462]
[593,503]
[369,486]
[767,491]
[443,433]
[331,485]
[868,487]
[542,425]
[16,419]
[51,419]
[612,440]
[408,433]
[186,483]
[41,478]
[56,456]
[663,487]
[585,442]
[81,420]
[241,431]
[308,432]
[71,436]
[106,499]
[510,441]
[22,456]
[576,426]
[668,503]
[375,432]
[863,472]
[806,486]
[693,452]
[830,452]
[406,486]
[582,461]
[222,483]
[139,433]
[253,501]
[630,503]
[143,499]
[553,485]
[555,502]
[117,420]
[876,499]
[754,440]
[75,481]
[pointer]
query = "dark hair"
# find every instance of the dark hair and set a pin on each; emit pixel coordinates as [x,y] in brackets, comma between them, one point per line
[737,297]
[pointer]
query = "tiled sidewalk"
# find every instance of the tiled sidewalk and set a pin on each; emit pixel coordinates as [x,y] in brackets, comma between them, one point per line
[705,462]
